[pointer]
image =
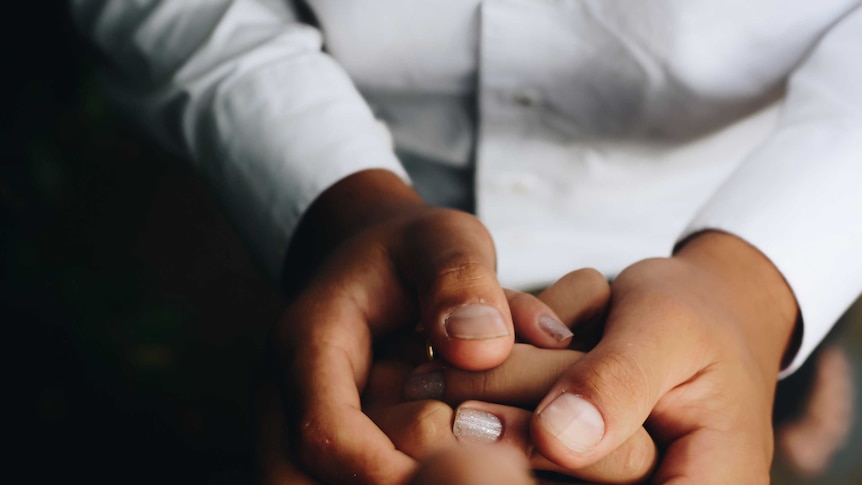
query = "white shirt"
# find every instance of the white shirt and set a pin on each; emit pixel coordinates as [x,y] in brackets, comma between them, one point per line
[602,131]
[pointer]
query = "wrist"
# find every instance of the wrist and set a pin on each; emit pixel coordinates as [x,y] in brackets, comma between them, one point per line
[359,201]
[349,206]
[753,290]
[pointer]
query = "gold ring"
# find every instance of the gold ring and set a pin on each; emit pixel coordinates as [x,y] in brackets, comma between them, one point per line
[429,350]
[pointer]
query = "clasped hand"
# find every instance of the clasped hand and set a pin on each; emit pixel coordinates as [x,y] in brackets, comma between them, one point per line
[690,349]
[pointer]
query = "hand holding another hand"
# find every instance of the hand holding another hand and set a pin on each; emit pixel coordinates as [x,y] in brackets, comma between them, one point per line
[691,349]
[691,346]
[422,428]
[389,261]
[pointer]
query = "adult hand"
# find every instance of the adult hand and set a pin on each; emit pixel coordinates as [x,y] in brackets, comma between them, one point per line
[423,428]
[692,346]
[578,299]
[420,428]
[426,426]
[390,261]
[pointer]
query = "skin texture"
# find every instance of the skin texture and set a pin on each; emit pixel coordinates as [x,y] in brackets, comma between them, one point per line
[370,228]
[691,344]
[392,260]
[475,465]
[422,428]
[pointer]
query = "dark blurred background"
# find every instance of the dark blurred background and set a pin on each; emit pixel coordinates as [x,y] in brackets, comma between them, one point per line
[136,317]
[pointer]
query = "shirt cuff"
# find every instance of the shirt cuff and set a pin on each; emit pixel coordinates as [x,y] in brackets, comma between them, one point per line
[797,199]
[274,152]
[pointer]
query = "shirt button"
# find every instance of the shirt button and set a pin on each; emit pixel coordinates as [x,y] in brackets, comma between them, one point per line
[520,183]
[526,98]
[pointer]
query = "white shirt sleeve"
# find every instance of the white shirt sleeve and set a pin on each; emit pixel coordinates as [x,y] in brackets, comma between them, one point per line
[798,197]
[241,88]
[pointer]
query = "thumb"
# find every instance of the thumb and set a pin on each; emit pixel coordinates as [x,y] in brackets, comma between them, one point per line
[464,310]
[607,395]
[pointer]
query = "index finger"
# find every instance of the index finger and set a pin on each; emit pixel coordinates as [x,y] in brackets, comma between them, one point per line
[331,428]
[275,463]
[522,380]
[325,340]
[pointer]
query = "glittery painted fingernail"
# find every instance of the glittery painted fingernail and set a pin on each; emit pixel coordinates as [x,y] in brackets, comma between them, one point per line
[477,426]
[424,385]
[555,328]
[475,322]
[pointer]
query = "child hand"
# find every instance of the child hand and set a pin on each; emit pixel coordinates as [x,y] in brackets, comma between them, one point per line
[692,347]
[421,428]
[427,426]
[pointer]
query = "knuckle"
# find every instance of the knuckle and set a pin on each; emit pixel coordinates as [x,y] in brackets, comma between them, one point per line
[482,384]
[446,220]
[463,385]
[459,266]
[431,427]
[638,460]
[457,272]
[626,378]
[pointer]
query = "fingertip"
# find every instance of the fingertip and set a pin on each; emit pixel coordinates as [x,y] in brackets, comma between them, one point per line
[580,297]
[477,426]
[536,323]
[418,428]
[557,330]
[596,405]
[571,430]
[573,421]
[474,336]
[475,355]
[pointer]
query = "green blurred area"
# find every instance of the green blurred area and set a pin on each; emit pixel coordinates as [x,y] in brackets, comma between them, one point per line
[136,316]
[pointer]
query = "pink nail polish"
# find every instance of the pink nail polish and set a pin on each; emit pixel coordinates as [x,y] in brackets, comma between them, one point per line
[555,328]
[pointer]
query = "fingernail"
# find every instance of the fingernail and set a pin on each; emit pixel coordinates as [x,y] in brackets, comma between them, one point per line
[474,322]
[555,328]
[477,426]
[573,421]
[424,385]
